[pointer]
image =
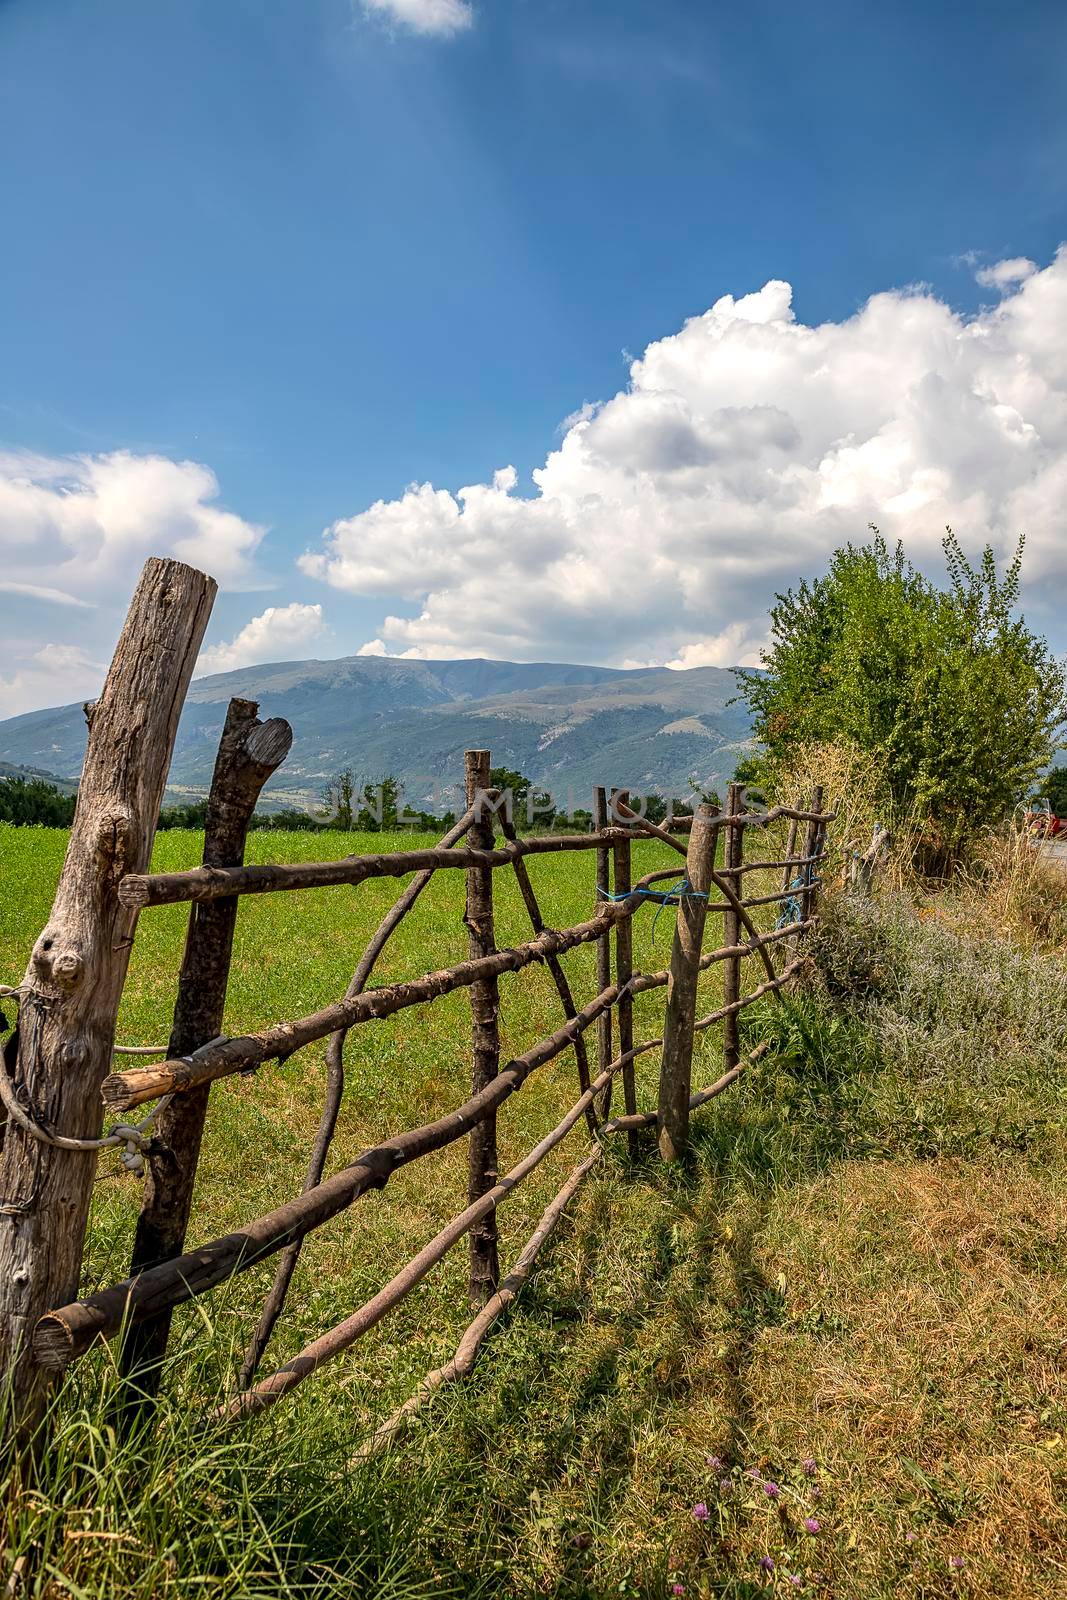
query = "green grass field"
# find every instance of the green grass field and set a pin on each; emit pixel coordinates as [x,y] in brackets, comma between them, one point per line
[861,1270]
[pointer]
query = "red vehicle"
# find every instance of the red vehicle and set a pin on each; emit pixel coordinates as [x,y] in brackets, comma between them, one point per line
[1042,820]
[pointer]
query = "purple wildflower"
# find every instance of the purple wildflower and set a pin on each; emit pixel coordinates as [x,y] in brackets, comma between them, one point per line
[955,1561]
[725,1485]
[677,1588]
[700,1512]
[714,1463]
[810,1468]
[766,1564]
[772,1491]
[910,1538]
[816,1493]
[812,1524]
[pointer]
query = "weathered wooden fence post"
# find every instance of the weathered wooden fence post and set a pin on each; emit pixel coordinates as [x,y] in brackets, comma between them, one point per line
[485,1032]
[733,853]
[624,966]
[73,983]
[603,944]
[249,752]
[677,1067]
[812,836]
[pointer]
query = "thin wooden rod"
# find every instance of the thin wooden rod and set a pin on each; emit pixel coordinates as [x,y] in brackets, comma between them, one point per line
[602,894]
[733,855]
[224,1057]
[469,1345]
[64,1334]
[335,1083]
[622,871]
[344,1334]
[484,997]
[139,890]
[554,965]
[771,986]
[643,981]
[647,1119]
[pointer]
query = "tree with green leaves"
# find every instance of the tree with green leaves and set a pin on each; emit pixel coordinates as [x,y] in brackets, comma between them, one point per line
[961,702]
[528,804]
[30,802]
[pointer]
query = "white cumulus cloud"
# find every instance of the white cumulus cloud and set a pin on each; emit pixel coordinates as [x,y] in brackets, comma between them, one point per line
[442,17]
[1003,274]
[746,446]
[73,527]
[277,634]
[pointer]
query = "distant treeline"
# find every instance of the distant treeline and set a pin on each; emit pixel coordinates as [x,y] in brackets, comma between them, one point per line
[377,808]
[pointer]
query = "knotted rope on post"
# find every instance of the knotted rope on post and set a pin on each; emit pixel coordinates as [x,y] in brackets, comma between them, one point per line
[672,896]
[131,1139]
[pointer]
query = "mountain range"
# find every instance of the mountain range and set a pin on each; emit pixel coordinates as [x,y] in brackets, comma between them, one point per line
[567,727]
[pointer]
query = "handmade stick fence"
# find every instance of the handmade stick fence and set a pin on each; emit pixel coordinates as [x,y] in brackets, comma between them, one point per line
[55,1085]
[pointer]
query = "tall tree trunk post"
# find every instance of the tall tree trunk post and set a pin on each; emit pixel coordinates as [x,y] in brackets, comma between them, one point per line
[485,1032]
[733,852]
[676,1071]
[73,983]
[249,752]
[603,944]
[624,966]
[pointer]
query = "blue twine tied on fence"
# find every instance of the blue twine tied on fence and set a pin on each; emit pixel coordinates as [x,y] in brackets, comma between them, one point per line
[792,910]
[664,897]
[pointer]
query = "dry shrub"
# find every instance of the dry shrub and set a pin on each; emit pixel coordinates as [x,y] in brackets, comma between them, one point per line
[1008,886]
[854,788]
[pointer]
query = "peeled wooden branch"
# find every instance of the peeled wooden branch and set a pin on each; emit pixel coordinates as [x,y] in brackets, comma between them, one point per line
[226,1056]
[554,965]
[467,1350]
[335,1083]
[64,1334]
[647,1119]
[345,1334]
[212,883]
[771,986]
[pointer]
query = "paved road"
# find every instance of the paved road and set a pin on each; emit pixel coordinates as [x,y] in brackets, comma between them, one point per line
[1055,850]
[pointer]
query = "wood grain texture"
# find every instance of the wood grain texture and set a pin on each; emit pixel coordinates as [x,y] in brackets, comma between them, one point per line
[73,983]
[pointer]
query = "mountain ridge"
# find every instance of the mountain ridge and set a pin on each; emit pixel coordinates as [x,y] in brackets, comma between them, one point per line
[564,724]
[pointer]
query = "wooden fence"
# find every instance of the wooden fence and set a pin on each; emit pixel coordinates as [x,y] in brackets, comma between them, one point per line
[56,1084]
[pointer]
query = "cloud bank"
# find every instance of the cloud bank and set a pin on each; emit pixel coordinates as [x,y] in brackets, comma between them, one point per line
[745,447]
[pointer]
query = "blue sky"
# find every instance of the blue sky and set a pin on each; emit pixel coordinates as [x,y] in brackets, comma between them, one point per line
[326,251]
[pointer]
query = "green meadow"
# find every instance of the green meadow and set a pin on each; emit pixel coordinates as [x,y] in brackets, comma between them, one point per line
[825,1358]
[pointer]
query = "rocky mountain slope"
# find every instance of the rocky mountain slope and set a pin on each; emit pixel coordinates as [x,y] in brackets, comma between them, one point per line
[566,726]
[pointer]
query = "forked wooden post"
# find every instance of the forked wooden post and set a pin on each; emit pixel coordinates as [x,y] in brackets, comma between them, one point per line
[249,751]
[485,1033]
[624,966]
[676,1071]
[603,944]
[73,984]
[733,851]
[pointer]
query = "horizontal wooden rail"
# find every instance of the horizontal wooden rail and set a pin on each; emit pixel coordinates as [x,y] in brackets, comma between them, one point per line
[224,1057]
[66,1333]
[139,890]
[344,1334]
[215,883]
[700,1097]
